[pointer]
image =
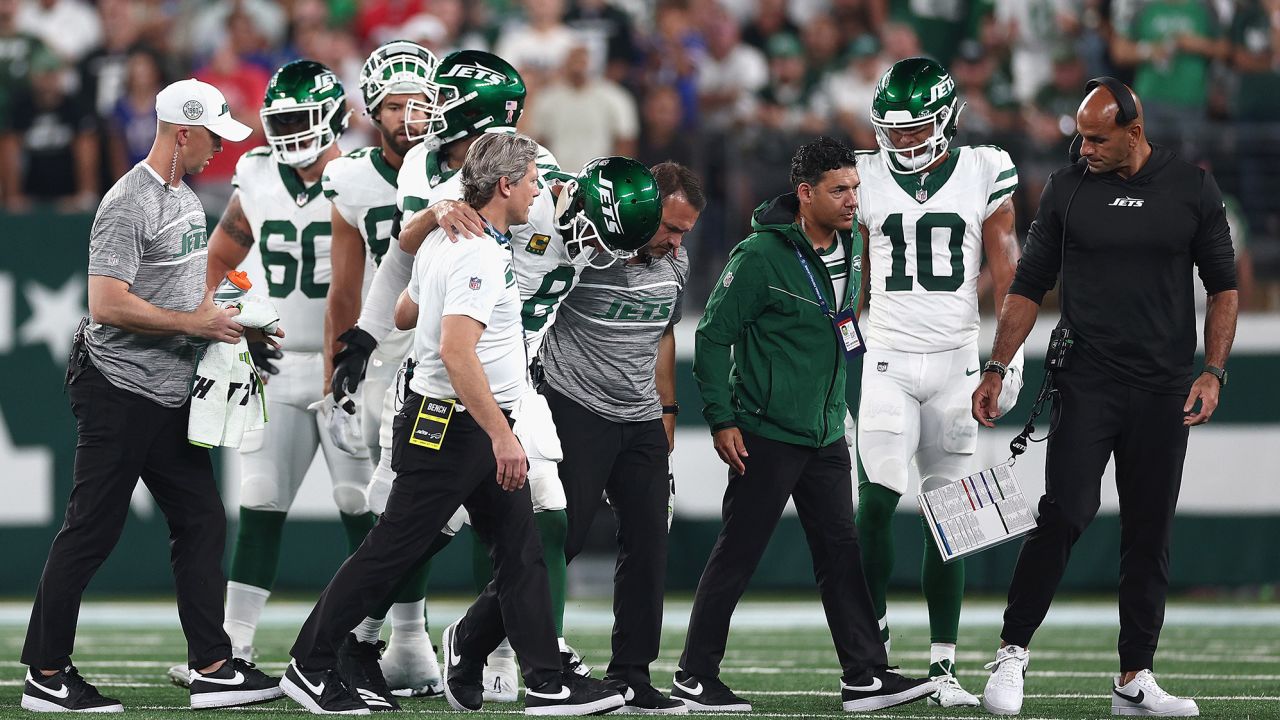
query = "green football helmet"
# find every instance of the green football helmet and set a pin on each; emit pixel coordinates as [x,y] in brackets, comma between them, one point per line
[913,92]
[399,66]
[476,91]
[609,211]
[303,112]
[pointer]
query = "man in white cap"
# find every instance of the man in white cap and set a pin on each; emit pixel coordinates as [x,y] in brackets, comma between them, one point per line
[129,378]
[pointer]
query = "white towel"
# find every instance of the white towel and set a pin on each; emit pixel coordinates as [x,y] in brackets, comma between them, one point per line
[535,428]
[227,395]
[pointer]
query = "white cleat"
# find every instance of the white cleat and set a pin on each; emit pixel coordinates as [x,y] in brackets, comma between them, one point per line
[180,675]
[1003,694]
[501,679]
[410,666]
[1142,696]
[950,694]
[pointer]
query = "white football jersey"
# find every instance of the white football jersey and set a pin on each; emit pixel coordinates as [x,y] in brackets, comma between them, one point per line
[544,272]
[292,236]
[925,246]
[362,186]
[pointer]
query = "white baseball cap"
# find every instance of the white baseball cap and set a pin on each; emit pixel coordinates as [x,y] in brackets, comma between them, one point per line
[191,102]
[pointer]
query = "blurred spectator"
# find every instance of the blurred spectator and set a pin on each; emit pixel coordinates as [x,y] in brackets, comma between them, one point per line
[68,27]
[672,55]
[377,20]
[16,50]
[443,30]
[855,18]
[539,46]
[821,50]
[729,76]
[584,115]
[941,25]
[1051,116]
[102,77]
[1171,43]
[131,125]
[770,19]
[1034,28]
[784,100]
[660,136]
[609,29]
[209,26]
[243,84]
[844,97]
[50,148]
[899,41]
[992,112]
[1255,36]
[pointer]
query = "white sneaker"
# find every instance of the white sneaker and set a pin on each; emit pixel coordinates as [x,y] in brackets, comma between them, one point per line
[1142,696]
[1003,694]
[180,675]
[501,679]
[950,694]
[409,664]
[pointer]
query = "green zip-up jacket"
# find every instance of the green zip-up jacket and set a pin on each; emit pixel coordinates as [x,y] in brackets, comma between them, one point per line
[766,359]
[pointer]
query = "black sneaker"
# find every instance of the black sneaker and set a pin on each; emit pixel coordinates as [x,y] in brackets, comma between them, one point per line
[883,688]
[706,694]
[321,692]
[645,700]
[572,695]
[359,669]
[463,680]
[65,691]
[234,684]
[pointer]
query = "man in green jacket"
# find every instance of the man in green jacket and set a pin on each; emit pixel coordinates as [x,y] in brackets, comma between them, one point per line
[770,362]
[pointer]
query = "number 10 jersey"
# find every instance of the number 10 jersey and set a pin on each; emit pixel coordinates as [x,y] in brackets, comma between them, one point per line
[925,246]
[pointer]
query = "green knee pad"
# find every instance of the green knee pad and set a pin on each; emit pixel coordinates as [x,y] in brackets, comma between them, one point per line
[943,586]
[257,553]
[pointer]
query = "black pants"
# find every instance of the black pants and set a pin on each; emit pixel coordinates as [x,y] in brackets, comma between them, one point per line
[820,482]
[122,436]
[628,461]
[1096,417]
[429,486]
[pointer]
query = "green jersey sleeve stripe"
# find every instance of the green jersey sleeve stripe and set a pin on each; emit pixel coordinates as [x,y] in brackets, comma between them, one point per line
[1011,172]
[414,204]
[1001,193]
[331,194]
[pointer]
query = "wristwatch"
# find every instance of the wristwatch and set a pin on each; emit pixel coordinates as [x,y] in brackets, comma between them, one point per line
[1217,372]
[998,368]
[672,409]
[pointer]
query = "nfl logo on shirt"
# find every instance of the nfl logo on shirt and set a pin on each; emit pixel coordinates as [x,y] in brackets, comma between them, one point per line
[474,284]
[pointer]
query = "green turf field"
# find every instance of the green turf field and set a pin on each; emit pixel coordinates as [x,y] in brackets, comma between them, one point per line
[780,656]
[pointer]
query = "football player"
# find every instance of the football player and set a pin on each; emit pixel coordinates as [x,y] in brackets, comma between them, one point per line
[361,185]
[930,211]
[277,226]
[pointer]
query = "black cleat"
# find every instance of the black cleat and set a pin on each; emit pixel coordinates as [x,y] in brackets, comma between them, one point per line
[572,695]
[706,694]
[321,692]
[359,669]
[645,700]
[463,680]
[235,684]
[65,691]
[883,688]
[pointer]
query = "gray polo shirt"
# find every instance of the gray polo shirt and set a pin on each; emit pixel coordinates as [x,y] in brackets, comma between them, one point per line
[153,238]
[603,348]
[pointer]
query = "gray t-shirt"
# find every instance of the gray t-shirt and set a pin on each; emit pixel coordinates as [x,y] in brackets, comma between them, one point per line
[603,348]
[154,239]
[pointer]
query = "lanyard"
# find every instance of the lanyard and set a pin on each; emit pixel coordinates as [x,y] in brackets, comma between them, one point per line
[813,282]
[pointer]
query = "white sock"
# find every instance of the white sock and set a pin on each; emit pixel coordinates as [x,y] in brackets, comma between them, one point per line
[564,646]
[408,619]
[244,608]
[369,629]
[888,640]
[504,649]
[942,651]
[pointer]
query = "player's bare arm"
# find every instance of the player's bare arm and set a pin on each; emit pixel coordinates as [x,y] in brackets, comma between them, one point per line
[665,378]
[230,243]
[342,306]
[1017,317]
[1000,246]
[1219,334]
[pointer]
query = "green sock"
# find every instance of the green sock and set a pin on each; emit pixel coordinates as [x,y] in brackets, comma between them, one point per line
[481,563]
[257,553]
[553,527]
[876,504]
[943,586]
[357,526]
[414,586]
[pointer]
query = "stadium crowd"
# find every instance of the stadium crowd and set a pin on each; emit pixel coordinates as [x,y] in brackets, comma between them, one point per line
[724,86]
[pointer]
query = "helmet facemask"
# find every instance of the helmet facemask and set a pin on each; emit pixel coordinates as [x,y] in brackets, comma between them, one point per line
[913,159]
[582,240]
[300,148]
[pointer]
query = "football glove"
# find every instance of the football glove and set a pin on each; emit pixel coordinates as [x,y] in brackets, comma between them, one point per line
[350,362]
[1012,385]
[262,355]
[343,423]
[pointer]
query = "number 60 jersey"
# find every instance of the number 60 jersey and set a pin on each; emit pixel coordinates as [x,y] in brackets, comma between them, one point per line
[292,236]
[925,245]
